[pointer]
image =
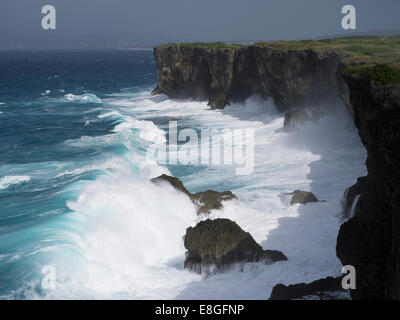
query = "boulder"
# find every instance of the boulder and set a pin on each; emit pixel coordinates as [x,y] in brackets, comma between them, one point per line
[205,201]
[302,197]
[327,288]
[214,245]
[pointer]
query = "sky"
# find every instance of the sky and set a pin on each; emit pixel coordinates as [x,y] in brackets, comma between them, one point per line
[124,23]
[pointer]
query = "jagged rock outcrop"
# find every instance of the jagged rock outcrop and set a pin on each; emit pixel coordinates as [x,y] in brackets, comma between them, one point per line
[205,201]
[370,241]
[301,197]
[210,200]
[324,289]
[174,181]
[223,75]
[214,245]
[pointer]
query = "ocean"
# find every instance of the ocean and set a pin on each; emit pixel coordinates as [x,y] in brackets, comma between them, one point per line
[76,196]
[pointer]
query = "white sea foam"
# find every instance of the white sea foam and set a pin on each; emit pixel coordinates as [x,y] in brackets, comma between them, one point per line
[8,181]
[147,130]
[324,157]
[87,97]
[109,114]
[132,231]
[129,231]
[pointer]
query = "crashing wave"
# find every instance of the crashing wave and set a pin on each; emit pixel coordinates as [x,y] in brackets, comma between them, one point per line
[8,181]
[87,97]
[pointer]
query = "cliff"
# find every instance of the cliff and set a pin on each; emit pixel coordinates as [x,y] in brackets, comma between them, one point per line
[292,73]
[229,74]
[370,240]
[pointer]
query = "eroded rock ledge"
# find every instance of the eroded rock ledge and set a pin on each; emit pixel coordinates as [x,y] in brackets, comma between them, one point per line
[323,289]
[205,201]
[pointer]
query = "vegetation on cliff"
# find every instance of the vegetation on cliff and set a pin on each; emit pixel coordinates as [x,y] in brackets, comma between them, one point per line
[366,49]
[381,74]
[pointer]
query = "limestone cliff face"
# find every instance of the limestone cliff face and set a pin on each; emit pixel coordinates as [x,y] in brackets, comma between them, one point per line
[371,239]
[223,75]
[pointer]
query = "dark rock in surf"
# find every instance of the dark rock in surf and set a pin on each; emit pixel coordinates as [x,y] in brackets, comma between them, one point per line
[294,118]
[302,197]
[323,289]
[218,101]
[175,182]
[214,245]
[210,200]
[205,201]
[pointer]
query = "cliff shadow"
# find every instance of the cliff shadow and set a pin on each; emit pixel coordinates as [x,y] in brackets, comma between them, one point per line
[309,237]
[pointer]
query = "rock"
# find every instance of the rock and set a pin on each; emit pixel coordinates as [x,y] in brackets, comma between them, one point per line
[351,193]
[218,101]
[302,197]
[297,117]
[205,201]
[294,118]
[175,182]
[210,200]
[214,245]
[322,288]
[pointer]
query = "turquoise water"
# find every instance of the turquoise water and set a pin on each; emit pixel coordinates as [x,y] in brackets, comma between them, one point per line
[48,99]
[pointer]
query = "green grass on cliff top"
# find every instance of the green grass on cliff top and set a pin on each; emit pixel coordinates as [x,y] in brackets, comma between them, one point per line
[366,49]
[357,48]
[381,74]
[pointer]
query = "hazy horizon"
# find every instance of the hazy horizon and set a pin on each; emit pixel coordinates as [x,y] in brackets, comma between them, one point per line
[122,24]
